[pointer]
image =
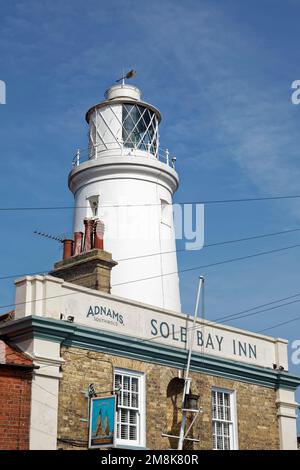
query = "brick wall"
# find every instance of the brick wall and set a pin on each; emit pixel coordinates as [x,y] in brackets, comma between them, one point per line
[256,409]
[90,269]
[15,397]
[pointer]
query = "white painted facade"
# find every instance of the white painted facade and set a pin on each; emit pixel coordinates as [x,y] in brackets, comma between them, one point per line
[50,297]
[144,322]
[134,191]
[286,417]
[44,392]
[94,311]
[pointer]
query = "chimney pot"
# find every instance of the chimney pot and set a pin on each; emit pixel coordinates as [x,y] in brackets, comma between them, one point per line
[68,248]
[88,236]
[78,236]
[99,233]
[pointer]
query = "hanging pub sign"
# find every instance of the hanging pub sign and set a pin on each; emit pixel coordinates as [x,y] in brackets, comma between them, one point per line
[102,422]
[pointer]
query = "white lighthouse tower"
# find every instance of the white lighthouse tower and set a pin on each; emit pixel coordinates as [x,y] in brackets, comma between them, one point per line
[128,183]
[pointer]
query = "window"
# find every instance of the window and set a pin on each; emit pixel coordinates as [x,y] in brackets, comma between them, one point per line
[94,203]
[224,420]
[139,127]
[166,213]
[131,406]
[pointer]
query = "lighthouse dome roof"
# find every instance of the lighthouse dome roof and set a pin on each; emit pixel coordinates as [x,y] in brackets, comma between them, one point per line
[129,92]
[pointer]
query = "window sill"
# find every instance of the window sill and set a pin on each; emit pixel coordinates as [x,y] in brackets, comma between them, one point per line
[126,447]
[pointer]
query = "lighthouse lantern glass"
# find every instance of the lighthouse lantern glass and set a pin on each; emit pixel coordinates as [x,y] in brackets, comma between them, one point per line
[139,128]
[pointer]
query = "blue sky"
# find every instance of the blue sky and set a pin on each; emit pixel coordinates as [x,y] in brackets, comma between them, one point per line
[220,73]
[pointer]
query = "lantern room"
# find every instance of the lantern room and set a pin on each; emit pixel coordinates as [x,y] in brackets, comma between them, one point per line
[123,124]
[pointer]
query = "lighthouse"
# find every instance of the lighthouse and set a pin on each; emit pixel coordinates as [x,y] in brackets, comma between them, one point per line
[128,182]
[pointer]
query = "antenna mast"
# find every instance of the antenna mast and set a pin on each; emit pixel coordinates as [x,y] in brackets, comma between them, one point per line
[48,235]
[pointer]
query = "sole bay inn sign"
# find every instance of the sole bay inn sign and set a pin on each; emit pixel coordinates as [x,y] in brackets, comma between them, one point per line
[209,342]
[52,297]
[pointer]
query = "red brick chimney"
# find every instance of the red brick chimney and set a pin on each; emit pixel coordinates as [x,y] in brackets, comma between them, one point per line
[85,262]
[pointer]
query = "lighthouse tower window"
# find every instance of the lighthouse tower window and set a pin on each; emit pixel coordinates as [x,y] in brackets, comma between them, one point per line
[139,128]
[130,413]
[166,213]
[94,203]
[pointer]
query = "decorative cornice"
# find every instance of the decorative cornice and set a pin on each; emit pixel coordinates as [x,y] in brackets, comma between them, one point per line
[79,336]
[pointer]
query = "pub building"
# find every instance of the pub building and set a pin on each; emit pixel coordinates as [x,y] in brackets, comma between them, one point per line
[107,319]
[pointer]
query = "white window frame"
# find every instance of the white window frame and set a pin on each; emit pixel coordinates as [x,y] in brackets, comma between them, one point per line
[93,208]
[166,212]
[141,428]
[233,431]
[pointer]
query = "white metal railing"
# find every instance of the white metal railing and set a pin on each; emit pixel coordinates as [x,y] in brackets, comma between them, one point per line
[161,154]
